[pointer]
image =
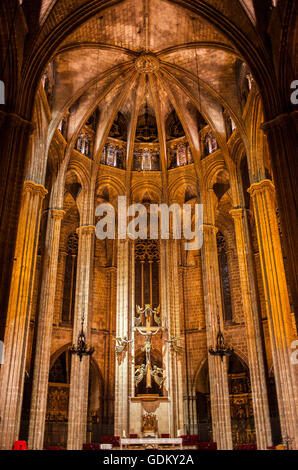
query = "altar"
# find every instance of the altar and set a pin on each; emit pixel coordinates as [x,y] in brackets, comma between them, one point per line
[151,443]
[146,406]
[150,405]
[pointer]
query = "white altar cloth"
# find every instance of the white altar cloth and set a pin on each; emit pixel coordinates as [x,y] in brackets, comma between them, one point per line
[151,442]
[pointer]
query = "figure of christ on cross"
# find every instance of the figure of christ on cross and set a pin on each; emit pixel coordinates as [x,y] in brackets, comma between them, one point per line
[148,331]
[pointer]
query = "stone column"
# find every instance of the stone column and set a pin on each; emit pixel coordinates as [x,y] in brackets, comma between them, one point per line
[174,360]
[14,136]
[109,366]
[44,331]
[282,139]
[79,378]
[278,306]
[18,314]
[165,310]
[190,414]
[218,377]
[253,326]
[122,329]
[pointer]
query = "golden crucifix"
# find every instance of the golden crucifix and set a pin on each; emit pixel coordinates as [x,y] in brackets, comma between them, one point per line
[148,331]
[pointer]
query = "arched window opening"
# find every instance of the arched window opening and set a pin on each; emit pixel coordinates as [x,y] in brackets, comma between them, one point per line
[274,412]
[57,402]
[47,81]
[210,144]
[204,405]
[245,82]
[229,123]
[245,181]
[113,155]
[100,421]
[147,273]
[84,145]
[180,155]
[146,159]
[63,126]
[224,278]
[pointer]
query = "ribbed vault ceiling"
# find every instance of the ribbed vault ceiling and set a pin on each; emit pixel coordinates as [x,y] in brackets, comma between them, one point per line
[150,53]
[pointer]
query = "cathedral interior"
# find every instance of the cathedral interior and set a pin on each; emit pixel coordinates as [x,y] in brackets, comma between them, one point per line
[162,102]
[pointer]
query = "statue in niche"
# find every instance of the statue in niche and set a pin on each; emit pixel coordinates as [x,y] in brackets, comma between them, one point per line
[148,331]
[147,312]
[149,424]
[138,319]
[174,344]
[140,372]
[121,344]
[156,317]
[158,376]
[148,345]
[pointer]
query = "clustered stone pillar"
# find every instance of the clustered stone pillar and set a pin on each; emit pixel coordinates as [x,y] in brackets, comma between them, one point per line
[14,134]
[166,353]
[278,306]
[282,139]
[218,377]
[18,314]
[254,339]
[44,331]
[190,405]
[174,360]
[108,393]
[122,324]
[79,377]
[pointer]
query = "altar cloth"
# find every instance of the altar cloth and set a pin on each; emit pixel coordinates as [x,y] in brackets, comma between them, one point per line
[151,442]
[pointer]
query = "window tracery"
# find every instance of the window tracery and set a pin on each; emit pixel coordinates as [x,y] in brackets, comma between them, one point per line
[146,159]
[229,123]
[147,272]
[62,127]
[70,277]
[113,155]
[83,145]
[179,155]
[224,277]
[210,144]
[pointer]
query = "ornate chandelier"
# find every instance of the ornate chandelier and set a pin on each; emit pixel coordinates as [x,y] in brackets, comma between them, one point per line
[221,348]
[81,348]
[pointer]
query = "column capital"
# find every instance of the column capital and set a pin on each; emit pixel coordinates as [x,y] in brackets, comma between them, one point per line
[127,239]
[2,117]
[85,230]
[57,214]
[282,120]
[111,269]
[16,121]
[183,267]
[210,227]
[261,186]
[30,186]
[237,212]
